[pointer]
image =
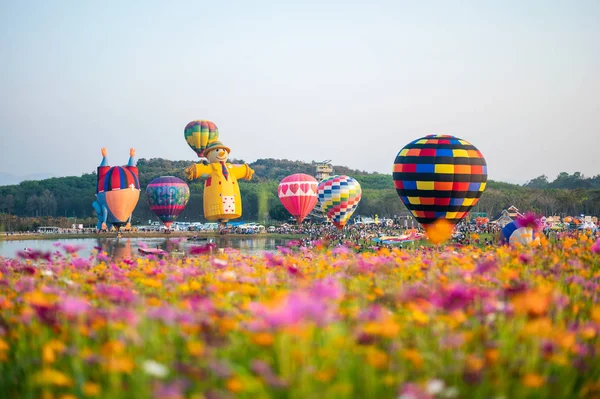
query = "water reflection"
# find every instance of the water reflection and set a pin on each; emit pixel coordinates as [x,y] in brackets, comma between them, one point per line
[124,248]
[116,248]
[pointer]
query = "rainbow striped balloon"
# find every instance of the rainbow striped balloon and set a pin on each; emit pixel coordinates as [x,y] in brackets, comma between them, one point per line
[339,196]
[198,134]
[439,177]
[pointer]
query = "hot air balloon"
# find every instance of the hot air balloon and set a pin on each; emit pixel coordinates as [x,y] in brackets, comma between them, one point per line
[339,196]
[167,197]
[439,177]
[521,230]
[222,198]
[298,194]
[198,134]
[118,191]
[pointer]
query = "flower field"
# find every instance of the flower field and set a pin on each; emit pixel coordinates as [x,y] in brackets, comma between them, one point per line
[465,322]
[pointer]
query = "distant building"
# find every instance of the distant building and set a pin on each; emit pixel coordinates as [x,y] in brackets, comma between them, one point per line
[503,219]
[323,170]
[513,212]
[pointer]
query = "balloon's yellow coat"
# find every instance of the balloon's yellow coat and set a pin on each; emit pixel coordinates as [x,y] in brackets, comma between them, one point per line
[222,199]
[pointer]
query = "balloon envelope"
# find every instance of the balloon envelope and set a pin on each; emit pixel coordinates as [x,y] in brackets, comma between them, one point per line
[514,233]
[298,194]
[339,196]
[198,134]
[120,192]
[439,177]
[167,197]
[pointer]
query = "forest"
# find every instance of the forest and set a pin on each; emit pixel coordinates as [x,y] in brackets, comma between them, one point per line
[72,196]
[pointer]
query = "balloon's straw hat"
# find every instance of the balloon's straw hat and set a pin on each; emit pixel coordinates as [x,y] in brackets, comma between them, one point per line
[214,146]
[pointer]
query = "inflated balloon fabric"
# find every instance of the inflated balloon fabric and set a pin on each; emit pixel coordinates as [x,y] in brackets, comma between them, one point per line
[339,196]
[439,176]
[198,134]
[298,194]
[167,197]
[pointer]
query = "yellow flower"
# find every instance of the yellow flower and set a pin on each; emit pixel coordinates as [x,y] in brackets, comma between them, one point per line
[3,345]
[414,357]
[376,358]
[492,356]
[196,348]
[119,364]
[151,282]
[51,377]
[419,317]
[153,302]
[541,327]
[532,380]
[263,339]
[324,375]
[235,385]
[596,314]
[474,363]
[91,389]
[534,303]
[112,348]
[49,350]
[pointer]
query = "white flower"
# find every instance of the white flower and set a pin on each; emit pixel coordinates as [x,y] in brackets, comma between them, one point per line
[47,272]
[228,276]
[155,369]
[434,386]
[450,392]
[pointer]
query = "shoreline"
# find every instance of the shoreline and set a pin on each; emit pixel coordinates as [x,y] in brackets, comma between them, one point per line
[175,234]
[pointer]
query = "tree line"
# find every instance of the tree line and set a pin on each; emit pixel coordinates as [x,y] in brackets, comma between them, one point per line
[72,197]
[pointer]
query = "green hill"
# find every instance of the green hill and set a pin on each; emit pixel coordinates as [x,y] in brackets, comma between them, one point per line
[72,196]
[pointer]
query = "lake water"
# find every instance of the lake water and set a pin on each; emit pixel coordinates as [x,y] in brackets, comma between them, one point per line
[125,247]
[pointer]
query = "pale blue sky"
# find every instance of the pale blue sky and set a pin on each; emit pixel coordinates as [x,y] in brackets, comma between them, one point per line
[343,80]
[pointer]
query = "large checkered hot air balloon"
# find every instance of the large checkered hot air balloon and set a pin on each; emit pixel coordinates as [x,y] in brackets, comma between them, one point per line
[298,194]
[199,134]
[439,177]
[167,198]
[339,196]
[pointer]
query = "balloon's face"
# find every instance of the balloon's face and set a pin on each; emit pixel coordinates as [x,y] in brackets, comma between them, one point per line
[298,194]
[217,155]
[439,177]
[339,196]
[198,134]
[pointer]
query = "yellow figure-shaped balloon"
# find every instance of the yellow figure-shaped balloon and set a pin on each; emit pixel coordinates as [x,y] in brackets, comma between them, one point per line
[222,199]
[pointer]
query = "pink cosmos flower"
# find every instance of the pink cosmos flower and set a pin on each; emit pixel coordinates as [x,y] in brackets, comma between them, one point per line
[273,260]
[455,297]
[166,314]
[413,391]
[115,293]
[202,249]
[71,249]
[81,264]
[596,247]
[171,390]
[529,220]
[74,306]
[283,250]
